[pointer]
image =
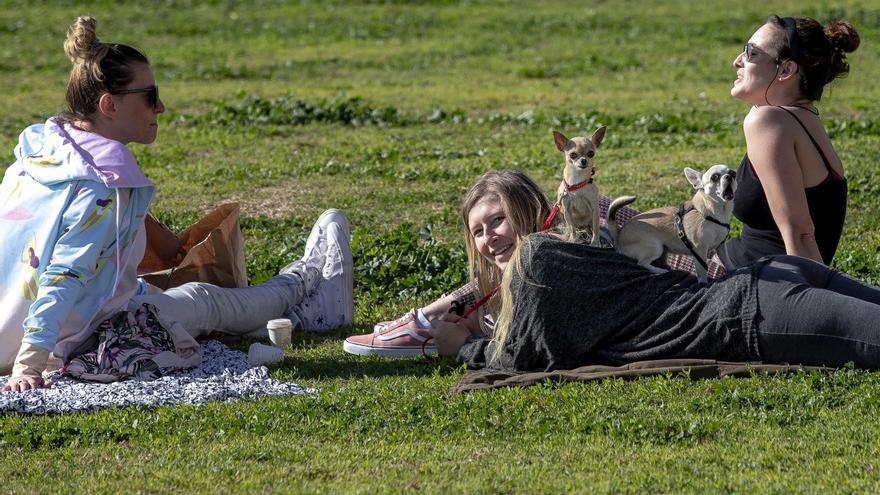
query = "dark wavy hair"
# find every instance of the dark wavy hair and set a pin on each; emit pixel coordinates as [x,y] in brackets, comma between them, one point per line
[820,51]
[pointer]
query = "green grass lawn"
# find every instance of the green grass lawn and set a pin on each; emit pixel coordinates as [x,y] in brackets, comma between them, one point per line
[390,110]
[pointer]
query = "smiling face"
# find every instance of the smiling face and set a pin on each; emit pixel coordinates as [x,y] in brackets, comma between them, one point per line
[492,233]
[135,120]
[756,73]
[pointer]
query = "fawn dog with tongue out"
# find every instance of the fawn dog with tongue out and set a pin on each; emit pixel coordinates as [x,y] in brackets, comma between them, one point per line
[696,227]
[577,199]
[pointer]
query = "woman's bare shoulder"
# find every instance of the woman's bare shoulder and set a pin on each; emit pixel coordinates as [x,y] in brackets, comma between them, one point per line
[766,116]
[767,121]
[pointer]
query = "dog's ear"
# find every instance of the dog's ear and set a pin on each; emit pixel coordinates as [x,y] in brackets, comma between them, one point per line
[561,140]
[694,177]
[598,136]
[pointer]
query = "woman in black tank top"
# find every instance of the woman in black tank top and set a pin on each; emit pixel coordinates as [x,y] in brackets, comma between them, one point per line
[791,194]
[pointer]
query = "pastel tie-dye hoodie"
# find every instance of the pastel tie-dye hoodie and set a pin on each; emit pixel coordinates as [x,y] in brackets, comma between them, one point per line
[72,210]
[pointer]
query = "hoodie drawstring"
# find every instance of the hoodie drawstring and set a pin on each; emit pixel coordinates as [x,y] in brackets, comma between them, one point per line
[118,246]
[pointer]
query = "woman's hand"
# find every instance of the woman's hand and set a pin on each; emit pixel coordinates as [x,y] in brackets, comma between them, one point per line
[449,337]
[472,322]
[24,382]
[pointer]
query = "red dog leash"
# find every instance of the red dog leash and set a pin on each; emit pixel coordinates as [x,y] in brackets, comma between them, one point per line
[464,315]
[479,303]
[568,189]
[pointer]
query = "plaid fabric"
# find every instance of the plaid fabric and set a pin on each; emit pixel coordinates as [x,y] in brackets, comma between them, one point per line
[674,261]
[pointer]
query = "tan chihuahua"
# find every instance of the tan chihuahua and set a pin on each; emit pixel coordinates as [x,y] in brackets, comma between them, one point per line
[695,227]
[578,197]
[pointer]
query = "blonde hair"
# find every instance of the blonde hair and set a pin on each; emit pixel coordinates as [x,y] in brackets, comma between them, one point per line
[98,68]
[505,315]
[525,208]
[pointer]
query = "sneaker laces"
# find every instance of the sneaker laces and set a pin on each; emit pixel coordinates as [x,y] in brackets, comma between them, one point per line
[309,267]
[406,318]
[333,262]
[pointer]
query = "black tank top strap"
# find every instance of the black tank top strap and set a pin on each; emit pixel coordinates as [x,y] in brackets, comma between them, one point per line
[828,166]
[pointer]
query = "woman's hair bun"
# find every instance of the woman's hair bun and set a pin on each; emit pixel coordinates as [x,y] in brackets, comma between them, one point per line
[82,39]
[843,36]
[97,68]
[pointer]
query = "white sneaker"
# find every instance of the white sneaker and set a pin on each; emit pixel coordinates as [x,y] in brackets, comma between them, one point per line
[311,265]
[331,305]
[309,271]
[318,236]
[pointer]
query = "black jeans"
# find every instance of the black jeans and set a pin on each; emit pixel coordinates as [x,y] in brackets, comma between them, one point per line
[814,315]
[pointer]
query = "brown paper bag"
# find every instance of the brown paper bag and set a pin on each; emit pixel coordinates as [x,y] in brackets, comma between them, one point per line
[211,250]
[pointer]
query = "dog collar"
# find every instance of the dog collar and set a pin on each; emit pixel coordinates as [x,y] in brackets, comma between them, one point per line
[579,185]
[568,188]
[575,187]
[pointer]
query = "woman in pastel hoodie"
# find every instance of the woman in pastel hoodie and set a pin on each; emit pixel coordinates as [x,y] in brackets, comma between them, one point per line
[72,210]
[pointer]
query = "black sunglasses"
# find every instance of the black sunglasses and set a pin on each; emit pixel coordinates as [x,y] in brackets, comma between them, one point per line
[751,51]
[789,25]
[152,94]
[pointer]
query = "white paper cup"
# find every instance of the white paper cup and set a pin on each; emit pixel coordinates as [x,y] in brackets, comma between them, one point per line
[280,331]
[261,354]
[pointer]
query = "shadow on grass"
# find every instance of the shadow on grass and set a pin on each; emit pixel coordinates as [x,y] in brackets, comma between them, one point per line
[333,367]
[320,356]
[315,356]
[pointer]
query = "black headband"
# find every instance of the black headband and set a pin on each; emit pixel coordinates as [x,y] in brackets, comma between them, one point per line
[794,41]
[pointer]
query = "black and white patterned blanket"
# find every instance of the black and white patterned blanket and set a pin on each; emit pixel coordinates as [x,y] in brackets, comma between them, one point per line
[225,375]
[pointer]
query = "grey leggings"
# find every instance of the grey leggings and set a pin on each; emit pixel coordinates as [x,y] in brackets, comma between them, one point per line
[201,308]
[811,314]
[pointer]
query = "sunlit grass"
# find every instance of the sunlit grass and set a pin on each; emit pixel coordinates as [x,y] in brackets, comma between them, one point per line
[474,86]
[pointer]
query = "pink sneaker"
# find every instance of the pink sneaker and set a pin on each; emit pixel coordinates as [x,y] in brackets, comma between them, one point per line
[406,318]
[399,338]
